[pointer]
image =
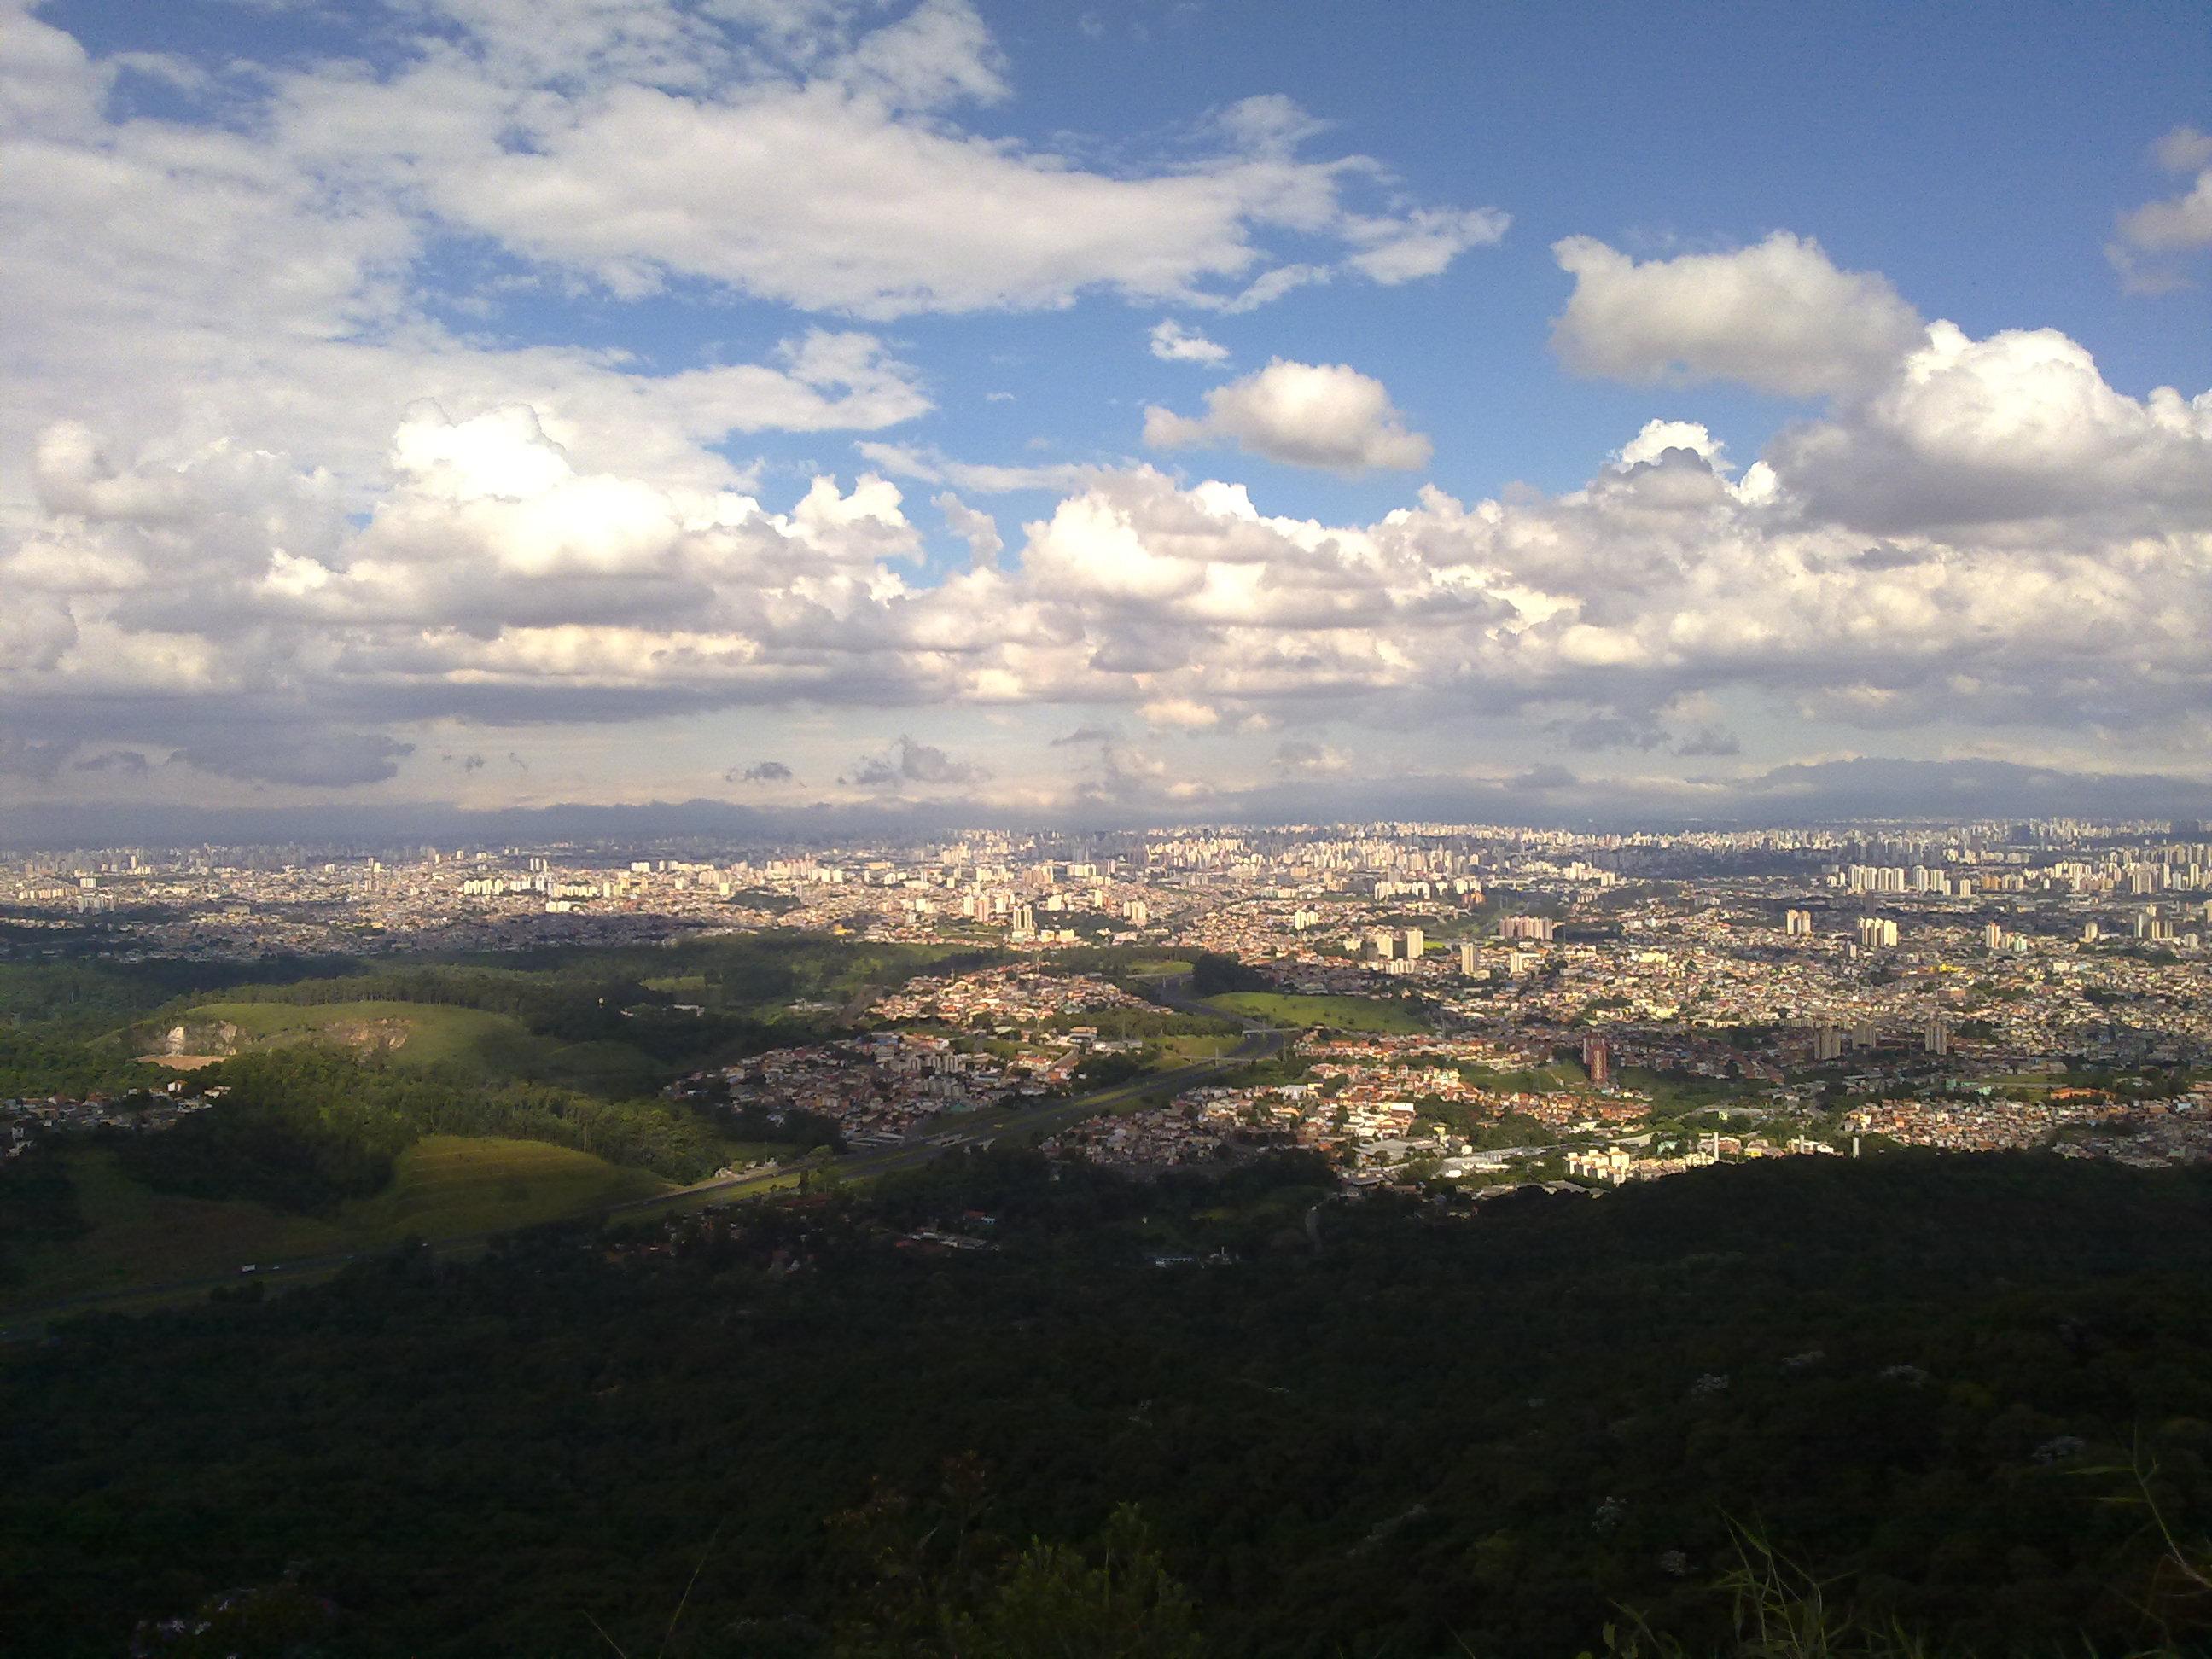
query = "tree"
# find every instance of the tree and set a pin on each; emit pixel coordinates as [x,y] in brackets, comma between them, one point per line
[1054,1604]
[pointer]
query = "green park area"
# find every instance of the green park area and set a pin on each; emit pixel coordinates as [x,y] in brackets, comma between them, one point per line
[442,1186]
[1366,1014]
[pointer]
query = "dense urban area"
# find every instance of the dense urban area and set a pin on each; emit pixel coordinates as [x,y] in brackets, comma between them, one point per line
[1468,1002]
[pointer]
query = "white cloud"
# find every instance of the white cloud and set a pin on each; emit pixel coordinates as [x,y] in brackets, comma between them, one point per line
[979,530]
[1302,414]
[1659,436]
[2184,149]
[1300,757]
[258,509]
[1172,342]
[648,143]
[1422,244]
[2017,431]
[928,464]
[1778,316]
[2165,230]
[1185,713]
[1994,536]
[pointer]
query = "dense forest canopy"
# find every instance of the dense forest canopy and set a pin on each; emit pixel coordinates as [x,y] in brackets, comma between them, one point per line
[1360,1429]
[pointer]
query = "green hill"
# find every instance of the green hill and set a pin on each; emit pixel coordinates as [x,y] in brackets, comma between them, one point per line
[496,1046]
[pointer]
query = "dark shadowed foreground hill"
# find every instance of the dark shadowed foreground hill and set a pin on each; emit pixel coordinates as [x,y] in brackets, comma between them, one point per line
[1951,1383]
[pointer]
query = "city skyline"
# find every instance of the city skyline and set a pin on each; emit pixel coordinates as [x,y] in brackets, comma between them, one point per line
[825,416]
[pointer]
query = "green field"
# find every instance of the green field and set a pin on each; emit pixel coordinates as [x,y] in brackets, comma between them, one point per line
[444,1187]
[1543,1079]
[1339,1014]
[1158,968]
[1682,1092]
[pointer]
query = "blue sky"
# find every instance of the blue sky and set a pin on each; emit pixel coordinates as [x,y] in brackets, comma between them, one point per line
[417,402]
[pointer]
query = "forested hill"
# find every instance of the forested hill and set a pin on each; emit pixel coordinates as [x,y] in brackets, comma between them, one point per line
[1955,1385]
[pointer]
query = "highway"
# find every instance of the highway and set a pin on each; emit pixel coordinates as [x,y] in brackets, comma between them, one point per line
[968,1129]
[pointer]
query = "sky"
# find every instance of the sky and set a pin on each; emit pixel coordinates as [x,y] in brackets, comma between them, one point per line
[827,412]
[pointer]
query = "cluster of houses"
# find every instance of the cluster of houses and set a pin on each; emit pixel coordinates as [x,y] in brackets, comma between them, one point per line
[25,1122]
[1014,996]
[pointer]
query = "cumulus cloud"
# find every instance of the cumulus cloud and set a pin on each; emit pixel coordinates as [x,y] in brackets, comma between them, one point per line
[759,772]
[1299,757]
[1778,316]
[1657,437]
[908,762]
[265,515]
[1327,415]
[2017,429]
[1993,533]
[1172,342]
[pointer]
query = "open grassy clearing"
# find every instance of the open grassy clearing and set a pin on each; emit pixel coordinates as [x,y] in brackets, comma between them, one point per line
[444,1186]
[1178,1051]
[1160,968]
[413,1033]
[1541,1079]
[1366,1014]
[1682,1092]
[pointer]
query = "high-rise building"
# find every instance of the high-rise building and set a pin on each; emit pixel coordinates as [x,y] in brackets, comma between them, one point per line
[1597,1061]
[1797,924]
[1935,1038]
[1540,928]
[1415,944]
[1827,1044]
[1992,937]
[1467,954]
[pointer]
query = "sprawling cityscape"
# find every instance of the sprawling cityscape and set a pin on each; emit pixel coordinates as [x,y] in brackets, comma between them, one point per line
[1050,829]
[1466,1003]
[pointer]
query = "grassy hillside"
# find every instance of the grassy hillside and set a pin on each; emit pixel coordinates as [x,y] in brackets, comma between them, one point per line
[496,1047]
[413,1033]
[445,1186]
[1340,1014]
